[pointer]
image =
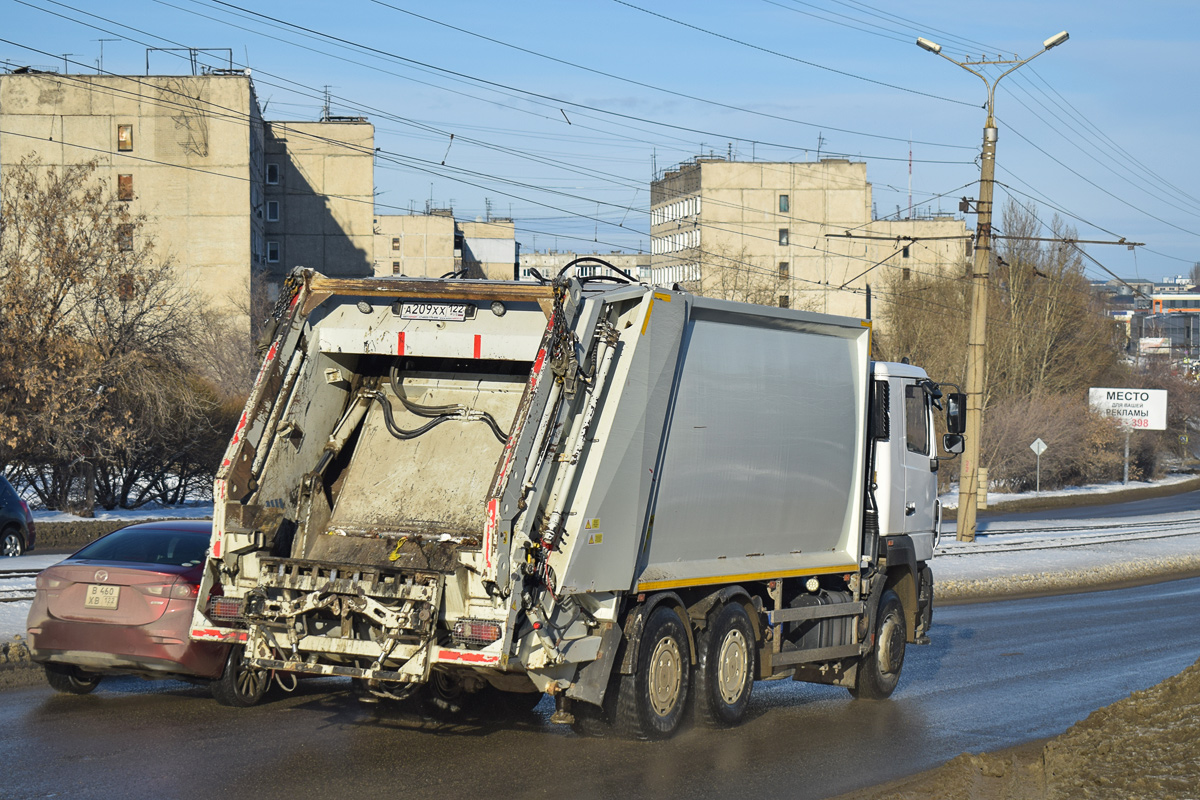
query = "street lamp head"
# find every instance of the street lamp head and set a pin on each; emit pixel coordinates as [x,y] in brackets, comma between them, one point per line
[934,47]
[1056,40]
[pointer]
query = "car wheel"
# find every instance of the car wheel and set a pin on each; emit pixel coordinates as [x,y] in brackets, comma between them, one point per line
[12,544]
[70,679]
[651,701]
[240,685]
[725,667]
[879,670]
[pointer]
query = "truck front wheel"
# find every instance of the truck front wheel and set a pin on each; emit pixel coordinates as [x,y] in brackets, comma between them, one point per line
[651,701]
[879,669]
[725,667]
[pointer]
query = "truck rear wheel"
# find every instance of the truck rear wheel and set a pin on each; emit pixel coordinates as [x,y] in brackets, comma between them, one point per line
[879,670]
[240,685]
[725,667]
[651,701]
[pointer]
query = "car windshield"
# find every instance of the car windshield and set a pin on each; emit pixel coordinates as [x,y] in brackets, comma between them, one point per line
[149,546]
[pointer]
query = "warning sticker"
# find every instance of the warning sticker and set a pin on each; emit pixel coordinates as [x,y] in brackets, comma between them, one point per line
[596,538]
[591,524]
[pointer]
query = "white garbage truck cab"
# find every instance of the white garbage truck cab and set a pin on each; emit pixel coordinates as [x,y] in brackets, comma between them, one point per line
[633,499]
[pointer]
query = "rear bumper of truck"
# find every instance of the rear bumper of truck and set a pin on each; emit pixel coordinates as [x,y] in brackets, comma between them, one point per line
[360,621]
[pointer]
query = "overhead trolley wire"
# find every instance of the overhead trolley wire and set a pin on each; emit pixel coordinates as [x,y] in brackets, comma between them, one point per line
[786,56]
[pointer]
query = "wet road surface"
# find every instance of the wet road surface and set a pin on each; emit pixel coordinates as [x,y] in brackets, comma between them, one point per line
[997,674]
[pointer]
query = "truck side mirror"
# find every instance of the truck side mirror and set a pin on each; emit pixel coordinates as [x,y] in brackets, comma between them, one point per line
[956,412]
[953,443]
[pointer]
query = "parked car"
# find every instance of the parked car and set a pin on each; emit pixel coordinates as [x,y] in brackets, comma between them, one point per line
[16,523]
[123,605]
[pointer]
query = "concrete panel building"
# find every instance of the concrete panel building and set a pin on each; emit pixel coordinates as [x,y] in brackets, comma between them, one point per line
[774,233]
[435,244]
[320,196]
[228,197]
[186,151]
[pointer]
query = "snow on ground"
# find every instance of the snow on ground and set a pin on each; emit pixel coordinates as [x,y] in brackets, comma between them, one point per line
[148,511]
[950,498]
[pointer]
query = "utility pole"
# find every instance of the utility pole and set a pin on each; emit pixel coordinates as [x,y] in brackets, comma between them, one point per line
[968,482]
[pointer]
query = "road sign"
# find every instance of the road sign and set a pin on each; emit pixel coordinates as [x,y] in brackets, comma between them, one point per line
[1134,409]
[1038,447]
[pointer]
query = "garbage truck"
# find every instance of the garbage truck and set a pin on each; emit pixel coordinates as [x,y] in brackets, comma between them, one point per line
[634,499]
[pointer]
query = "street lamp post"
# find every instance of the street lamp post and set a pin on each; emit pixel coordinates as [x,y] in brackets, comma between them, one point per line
[968,484]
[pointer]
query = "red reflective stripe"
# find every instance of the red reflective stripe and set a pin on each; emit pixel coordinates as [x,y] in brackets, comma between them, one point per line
[478,344]
[400,344]
[467,657]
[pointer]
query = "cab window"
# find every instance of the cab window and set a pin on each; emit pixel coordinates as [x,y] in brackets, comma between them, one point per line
[916,420]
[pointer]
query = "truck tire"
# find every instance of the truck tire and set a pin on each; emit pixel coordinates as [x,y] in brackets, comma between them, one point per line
[879,669]
[240,685]
[70,679]
[444,694]
[651,702]
[725,668]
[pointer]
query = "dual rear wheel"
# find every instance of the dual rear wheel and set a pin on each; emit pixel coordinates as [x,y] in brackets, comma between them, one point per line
[653,702]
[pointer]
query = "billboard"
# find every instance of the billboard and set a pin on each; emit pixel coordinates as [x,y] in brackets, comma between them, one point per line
[1138,409]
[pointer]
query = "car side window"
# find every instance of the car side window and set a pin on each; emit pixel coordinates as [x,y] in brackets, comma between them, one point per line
[916,420]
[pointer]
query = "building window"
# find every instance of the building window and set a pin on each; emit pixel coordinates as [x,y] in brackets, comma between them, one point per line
[783,202]
[124,187]
[125,288]
[785,301]
[395,242]
[125,236]
[905,251]
[395,267]
[784,270]
[272,211]
[272,252]
[905,274]
[783,237]
[124,137]
[272,174]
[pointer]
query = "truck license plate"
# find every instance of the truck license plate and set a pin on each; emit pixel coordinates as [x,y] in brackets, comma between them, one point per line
[100,596]
[452,312]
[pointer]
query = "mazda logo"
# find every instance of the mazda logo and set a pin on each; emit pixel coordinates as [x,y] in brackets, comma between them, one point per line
[101,576]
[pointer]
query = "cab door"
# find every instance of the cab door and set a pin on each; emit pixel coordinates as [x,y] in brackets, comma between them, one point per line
[920,481]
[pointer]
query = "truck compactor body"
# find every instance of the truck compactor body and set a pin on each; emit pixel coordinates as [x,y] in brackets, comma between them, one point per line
[637,500]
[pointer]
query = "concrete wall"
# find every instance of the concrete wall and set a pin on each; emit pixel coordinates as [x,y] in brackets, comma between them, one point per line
[414,245]
[325,190]
[191,160]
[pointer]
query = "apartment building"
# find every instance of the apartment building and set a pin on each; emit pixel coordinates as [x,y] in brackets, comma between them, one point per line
[793,234]
[549,264]
[435,245]
[228,197]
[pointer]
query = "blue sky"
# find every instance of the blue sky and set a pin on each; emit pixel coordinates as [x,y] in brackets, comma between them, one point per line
[1101,129]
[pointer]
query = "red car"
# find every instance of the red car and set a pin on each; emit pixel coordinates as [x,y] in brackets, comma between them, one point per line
[123,606]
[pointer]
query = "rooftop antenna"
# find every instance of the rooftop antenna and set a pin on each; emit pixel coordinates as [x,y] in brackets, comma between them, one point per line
[66,71]
[910,176]
[100,68]
[325,108]
[820,143]
[487,205]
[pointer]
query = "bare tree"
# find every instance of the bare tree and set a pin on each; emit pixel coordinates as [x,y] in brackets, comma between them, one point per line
[95,340]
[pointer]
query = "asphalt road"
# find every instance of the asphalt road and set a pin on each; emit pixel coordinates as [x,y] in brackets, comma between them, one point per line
[997,674]
[1188,501]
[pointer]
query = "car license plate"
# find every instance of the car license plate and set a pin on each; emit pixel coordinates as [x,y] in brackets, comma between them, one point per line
[451,312]
[101,596]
